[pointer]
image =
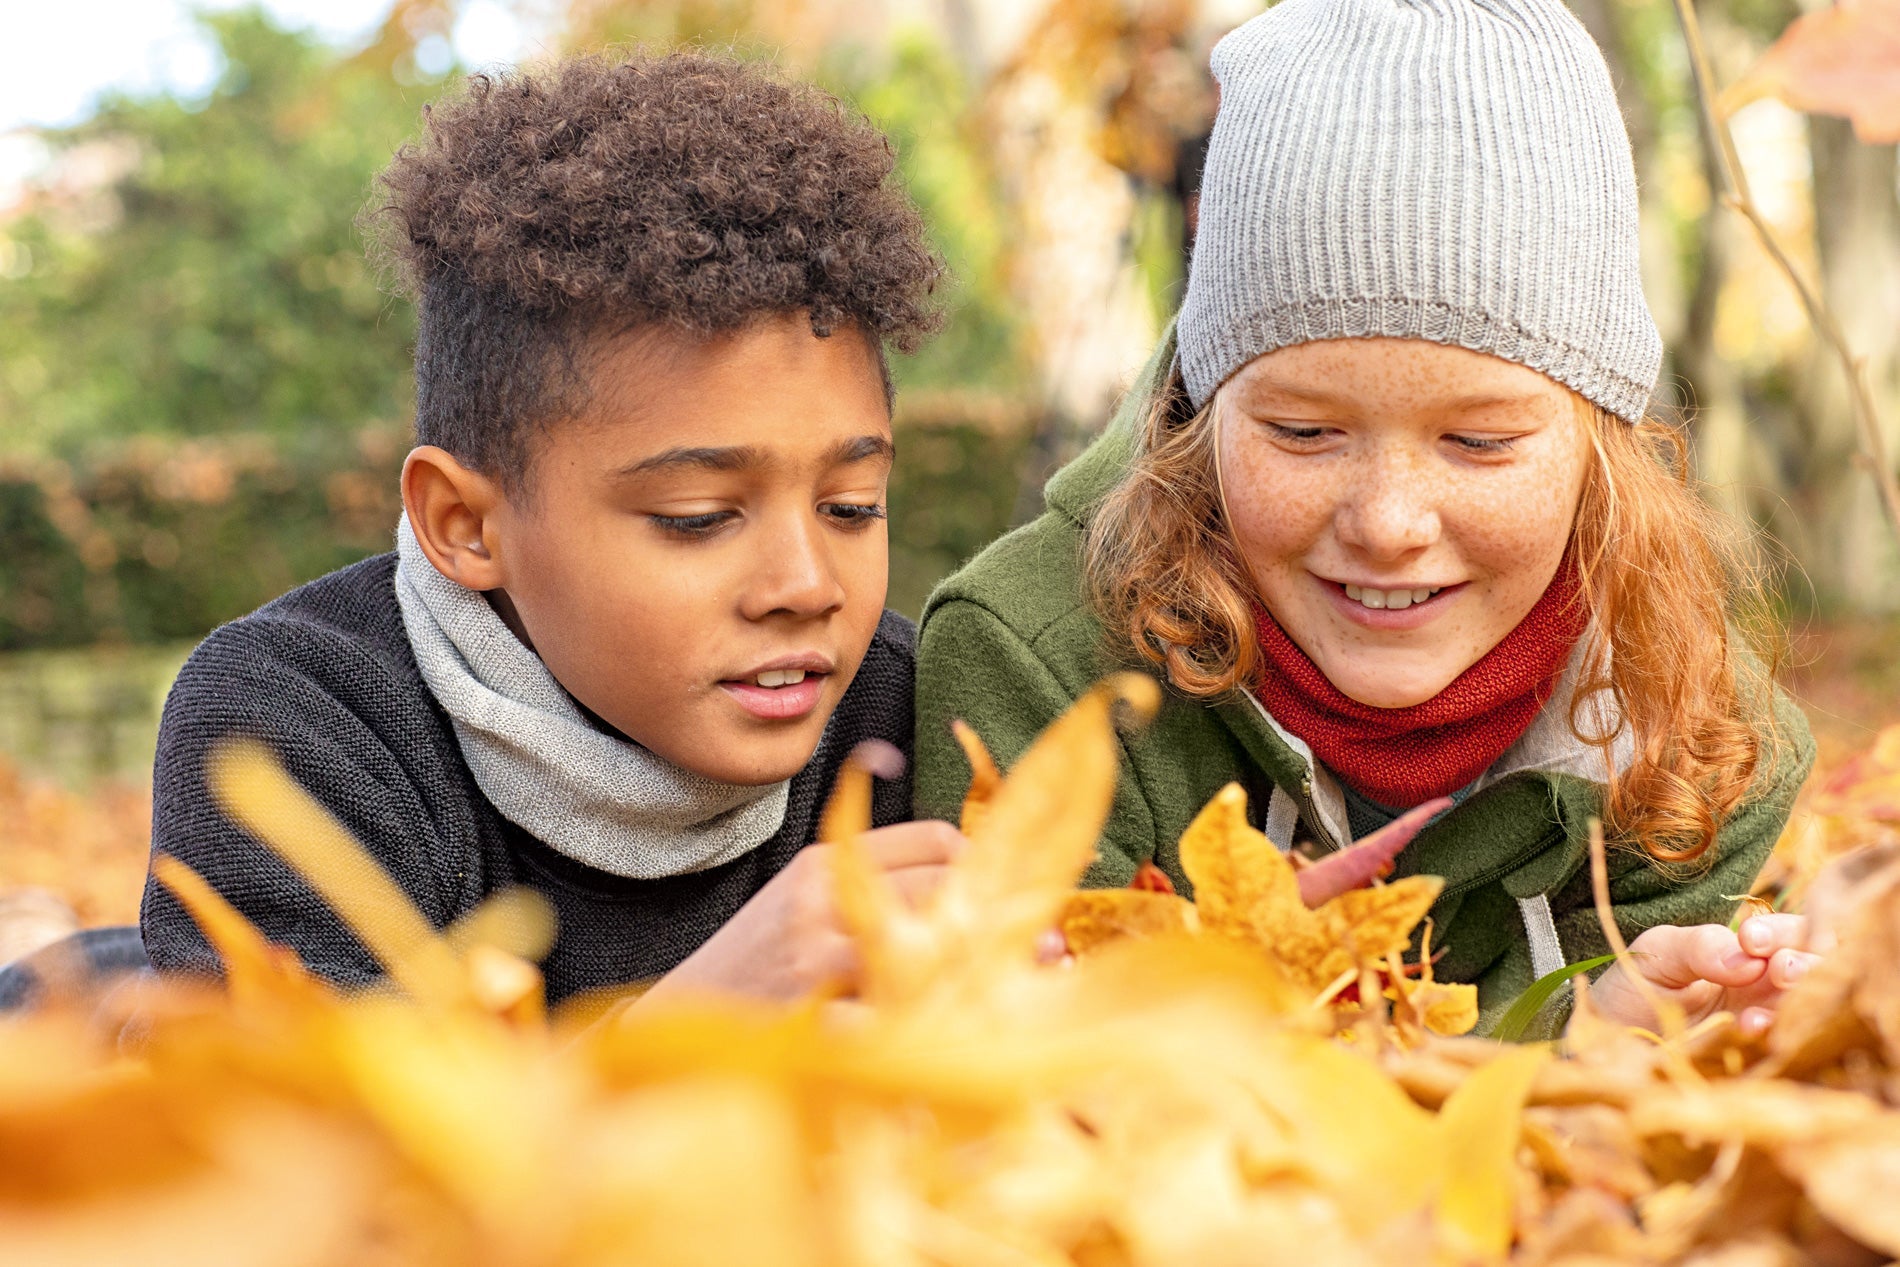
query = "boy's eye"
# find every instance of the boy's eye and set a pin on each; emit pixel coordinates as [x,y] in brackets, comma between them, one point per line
[1484,444]
[854,514]
[693,525]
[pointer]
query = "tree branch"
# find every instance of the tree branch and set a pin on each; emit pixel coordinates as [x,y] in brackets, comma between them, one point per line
[1873,448]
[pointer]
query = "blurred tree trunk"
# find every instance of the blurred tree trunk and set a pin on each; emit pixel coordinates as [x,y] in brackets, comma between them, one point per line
[1726,448]
[1663,276]
[1682,291]
[1851,553]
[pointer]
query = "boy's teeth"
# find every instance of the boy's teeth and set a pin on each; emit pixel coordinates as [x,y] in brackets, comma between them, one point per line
[1387,600]
[781,677]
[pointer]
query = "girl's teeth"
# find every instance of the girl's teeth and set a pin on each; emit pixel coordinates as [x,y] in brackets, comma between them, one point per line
[1387,600]
[781,677]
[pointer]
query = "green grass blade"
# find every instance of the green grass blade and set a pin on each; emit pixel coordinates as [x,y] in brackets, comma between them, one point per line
[1518,1017]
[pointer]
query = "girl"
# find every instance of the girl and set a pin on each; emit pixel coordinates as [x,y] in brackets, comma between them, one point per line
[1388,515]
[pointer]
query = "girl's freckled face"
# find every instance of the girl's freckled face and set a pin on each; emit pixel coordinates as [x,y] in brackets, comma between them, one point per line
[1400,505]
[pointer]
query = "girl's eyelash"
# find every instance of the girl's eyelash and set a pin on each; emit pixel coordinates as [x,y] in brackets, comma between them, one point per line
[1485,444]
[1285,432]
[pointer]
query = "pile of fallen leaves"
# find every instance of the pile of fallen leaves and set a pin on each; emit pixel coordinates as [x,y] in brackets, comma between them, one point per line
[67,859]
[1238,1081]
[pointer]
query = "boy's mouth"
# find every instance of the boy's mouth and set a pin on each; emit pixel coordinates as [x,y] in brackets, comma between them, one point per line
[783,690]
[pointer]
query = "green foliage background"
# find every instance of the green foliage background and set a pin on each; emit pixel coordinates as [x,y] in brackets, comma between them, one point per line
[205,389]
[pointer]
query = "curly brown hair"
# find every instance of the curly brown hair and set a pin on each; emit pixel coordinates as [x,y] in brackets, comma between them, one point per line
[543,210]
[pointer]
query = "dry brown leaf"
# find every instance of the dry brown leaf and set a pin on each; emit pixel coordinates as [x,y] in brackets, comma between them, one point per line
[1852,1177]
[1844,60]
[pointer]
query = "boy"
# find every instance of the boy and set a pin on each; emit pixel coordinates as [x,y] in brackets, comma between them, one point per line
[635,619]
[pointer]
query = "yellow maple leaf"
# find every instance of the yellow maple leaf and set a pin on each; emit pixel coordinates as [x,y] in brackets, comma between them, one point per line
[1094,917]
[1031,835]
[1246,889]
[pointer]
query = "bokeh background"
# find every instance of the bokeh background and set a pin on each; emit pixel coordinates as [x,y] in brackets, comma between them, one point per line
[205,390]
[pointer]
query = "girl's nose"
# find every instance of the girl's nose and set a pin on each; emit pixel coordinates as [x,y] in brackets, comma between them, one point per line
[1389,511]
[795,575]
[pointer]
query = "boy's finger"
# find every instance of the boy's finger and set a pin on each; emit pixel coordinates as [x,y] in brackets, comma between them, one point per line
[927,843]
[1763,935]
[916,884]
[1358,865]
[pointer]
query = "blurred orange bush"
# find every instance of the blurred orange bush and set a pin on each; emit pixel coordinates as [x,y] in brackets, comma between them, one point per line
[88,848]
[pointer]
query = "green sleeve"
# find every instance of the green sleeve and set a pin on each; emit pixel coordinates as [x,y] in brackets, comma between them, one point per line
[1644,895]
[971,665]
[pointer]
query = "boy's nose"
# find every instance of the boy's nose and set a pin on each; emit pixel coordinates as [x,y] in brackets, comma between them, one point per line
[795,575]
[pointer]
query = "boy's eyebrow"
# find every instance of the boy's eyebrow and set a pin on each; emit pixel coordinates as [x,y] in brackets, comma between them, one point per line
[863,449]
[745,457]
[730,458]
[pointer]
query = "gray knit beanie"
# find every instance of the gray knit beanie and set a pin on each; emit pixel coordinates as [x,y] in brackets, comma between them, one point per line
[1450,170]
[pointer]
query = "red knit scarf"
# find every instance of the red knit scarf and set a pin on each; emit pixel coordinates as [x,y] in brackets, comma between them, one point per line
[1402,757]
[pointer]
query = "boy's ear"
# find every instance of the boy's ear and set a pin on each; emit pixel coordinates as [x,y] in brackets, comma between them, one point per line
[454,512]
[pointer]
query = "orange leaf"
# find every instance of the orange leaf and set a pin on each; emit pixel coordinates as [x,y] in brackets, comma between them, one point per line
[1841,60]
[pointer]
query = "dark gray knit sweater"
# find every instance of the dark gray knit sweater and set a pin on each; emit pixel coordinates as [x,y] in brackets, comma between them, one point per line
[326,677]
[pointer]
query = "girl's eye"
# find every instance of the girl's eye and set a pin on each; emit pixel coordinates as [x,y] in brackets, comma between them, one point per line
[854,514]
[1295,435]
[693,526]
[1484,444]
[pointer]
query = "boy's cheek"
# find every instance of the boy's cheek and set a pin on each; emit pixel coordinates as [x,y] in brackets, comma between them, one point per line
[651,666]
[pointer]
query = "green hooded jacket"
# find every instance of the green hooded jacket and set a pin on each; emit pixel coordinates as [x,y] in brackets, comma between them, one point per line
[1010,640]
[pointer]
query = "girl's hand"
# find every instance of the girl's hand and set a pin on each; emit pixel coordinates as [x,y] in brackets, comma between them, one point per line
[1707,969]
[788,942]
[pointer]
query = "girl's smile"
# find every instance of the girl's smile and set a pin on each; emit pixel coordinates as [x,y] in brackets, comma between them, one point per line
[1391,606]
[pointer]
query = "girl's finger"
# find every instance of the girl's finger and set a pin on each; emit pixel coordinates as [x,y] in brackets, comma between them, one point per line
[1754,1020]
[1677,957]
[1789,966]
[1360,864]
[1763,935]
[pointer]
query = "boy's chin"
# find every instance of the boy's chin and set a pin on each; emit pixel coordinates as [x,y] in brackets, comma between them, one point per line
[753,759]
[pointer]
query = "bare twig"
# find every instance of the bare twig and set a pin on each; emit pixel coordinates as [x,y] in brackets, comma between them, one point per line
[1873,448]
[1669,1019]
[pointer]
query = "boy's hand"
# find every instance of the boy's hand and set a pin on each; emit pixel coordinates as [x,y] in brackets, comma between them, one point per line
[1707,969]
[787,941]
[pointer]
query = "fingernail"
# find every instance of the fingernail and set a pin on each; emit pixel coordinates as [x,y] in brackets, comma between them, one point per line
[1755,936]
[1798,966]
[1739,958]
